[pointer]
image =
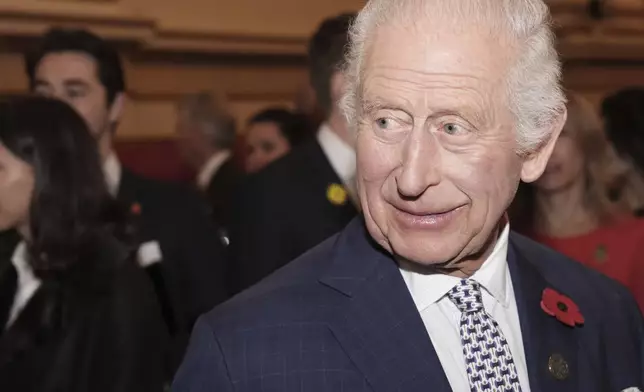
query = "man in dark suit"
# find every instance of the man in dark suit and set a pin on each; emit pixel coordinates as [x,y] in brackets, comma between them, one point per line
[314,181]
[180,246]
[207,137]
[430,291]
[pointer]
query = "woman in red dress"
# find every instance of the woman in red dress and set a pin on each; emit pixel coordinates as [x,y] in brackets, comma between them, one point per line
[570,209]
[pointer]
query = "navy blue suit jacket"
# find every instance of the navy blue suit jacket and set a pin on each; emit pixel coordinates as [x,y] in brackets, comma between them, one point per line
[340,318]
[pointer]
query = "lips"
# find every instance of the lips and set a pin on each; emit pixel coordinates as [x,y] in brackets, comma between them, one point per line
[435,220]
[435,211]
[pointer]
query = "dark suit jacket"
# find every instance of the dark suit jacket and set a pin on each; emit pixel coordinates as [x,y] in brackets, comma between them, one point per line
[340,318]
[190,279]
[282,212]
[221,191]
[99,330]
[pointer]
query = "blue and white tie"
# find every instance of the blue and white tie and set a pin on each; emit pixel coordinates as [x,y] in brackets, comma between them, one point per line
[490,366]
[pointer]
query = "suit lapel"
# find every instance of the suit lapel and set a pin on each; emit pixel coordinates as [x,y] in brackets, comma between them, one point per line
[544,337]
[376,321]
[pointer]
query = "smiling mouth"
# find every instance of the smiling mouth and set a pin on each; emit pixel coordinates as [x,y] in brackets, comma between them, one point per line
[433,220]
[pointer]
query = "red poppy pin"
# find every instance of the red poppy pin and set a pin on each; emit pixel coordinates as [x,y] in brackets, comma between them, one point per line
[561,307]
[135,209]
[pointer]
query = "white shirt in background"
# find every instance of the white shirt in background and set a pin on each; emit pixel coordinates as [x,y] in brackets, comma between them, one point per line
[112,172]
[340,154]
[210,168]
[28,282]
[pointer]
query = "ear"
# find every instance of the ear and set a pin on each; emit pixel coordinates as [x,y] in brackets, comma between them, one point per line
[535,163]
[116,110]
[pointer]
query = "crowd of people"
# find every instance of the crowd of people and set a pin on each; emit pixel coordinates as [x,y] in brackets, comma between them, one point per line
[429,158]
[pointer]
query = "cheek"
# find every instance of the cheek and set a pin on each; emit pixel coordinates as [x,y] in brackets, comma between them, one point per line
[484,175]
[376,160]
[281,148]
[15,198]
[93,114]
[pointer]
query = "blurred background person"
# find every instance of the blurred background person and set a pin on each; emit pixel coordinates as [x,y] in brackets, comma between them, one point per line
[570,209]
[178,242]
[207,136]
[76,312]
[307,195]
[623,114]
[306,103]
[271,134]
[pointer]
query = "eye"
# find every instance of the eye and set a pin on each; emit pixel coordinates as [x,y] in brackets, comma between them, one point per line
[453,129]
[384,123]
[388,124]
[42,91]
[75,93]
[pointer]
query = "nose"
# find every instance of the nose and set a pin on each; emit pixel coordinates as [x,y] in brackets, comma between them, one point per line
[421,166]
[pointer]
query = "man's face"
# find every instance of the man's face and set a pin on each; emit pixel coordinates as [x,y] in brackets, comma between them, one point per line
[73,77]
[437,162]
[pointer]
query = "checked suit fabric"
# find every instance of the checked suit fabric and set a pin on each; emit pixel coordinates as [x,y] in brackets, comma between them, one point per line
[489,362]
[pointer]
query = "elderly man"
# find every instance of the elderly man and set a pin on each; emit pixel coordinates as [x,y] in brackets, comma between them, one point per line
[207,137]
[454,102]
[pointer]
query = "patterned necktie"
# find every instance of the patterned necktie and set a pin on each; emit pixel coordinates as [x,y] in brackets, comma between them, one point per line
[490,366]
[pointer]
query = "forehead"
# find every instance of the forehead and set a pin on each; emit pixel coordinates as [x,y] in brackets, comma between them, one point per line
[263,129]
[63,66]
[435,60]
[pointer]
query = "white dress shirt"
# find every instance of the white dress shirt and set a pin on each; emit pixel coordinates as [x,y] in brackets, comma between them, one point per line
[340,154]
[442,318]
[112,172]
[28,282]
[342,158]
[210,168]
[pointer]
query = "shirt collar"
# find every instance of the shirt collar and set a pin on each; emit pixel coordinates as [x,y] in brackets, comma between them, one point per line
[20,262]
[339,153]
[493,277]
[112,172]
[210,168]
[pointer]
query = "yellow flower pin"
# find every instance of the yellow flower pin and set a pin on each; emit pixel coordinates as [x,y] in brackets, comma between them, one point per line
[336,194]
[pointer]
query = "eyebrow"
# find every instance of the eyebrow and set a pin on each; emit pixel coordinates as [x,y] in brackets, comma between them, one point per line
[67,83]
[75,83]
[372,105]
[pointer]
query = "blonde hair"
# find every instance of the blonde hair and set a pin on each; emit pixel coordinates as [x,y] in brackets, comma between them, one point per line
[603,169]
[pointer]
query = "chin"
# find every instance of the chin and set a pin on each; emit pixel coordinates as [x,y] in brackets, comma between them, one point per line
[428,249]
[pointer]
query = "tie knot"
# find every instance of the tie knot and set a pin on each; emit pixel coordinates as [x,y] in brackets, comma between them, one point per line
[467,296]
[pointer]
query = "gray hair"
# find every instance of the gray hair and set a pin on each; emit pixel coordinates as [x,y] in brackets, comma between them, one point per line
[209,117]
[533,84]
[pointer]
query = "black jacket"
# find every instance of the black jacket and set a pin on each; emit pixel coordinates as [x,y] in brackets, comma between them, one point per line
[221,190]
[283,211]
[98,328]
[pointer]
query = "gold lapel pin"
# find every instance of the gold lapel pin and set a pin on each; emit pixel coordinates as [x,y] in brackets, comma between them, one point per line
[337,194]
[558,367]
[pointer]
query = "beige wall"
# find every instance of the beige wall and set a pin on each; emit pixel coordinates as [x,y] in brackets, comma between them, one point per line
[253,51]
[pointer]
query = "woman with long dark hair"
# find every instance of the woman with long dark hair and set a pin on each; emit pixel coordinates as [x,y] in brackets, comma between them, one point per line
[76,313]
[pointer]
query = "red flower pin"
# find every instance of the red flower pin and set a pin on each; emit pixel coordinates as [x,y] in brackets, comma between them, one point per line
[562,307]
[135,209]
